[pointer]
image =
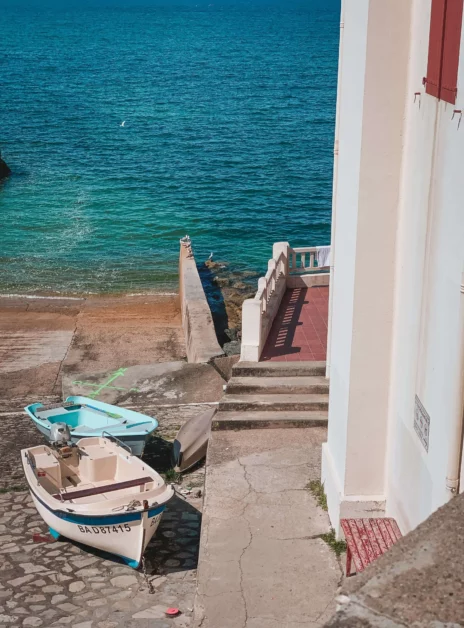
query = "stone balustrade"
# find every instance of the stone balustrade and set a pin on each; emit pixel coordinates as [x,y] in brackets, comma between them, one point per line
[288,268]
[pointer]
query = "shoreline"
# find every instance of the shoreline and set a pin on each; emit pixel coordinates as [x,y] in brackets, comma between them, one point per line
[83,296]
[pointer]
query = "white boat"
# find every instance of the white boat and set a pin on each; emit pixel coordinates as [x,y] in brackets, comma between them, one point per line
[98,494]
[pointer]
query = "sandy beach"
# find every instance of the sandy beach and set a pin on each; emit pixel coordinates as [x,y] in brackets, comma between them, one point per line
[42,338]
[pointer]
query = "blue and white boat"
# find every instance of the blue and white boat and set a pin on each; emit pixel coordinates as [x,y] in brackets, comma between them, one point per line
[87,418]
[98,494]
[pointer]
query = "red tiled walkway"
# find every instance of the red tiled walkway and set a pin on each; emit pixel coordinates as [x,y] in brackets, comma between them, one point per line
[299,331]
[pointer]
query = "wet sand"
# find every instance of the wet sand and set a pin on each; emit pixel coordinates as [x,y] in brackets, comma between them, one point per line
[42,338]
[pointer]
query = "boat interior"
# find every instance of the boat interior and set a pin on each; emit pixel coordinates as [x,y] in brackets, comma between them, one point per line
[77,414]
[93,472]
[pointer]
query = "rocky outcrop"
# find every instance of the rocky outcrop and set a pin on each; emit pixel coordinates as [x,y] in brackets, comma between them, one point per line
[4,170]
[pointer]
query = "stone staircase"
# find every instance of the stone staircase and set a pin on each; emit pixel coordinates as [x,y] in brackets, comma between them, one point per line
[274,395]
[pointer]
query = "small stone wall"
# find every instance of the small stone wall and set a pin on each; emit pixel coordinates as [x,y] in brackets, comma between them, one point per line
[200,337]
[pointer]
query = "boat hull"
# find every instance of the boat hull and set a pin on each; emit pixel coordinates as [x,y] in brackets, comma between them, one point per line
[125,535]
[88,418]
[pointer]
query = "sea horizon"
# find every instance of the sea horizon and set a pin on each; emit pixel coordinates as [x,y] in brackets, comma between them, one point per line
[128,126]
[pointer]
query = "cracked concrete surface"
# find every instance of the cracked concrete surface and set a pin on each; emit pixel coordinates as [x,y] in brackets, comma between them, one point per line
[262,564]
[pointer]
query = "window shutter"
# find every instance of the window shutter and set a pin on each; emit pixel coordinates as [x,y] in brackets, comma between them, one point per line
[437,27]
[451,48]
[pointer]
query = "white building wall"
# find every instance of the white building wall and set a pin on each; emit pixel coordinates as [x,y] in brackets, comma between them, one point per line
[397,326]
[430,259]
[351,92]
[371,114]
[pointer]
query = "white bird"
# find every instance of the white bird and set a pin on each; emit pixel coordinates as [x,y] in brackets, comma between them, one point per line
[210,258]
[123,123]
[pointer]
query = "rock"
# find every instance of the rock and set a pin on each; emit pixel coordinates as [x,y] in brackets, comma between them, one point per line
[86,573]
[32,621]
[239,285]
[155,612]
[75,587]
[169,535]
[52,588]
[64,620]
[123,581]
[101,601]
[222,282]
[17,582]
[212,265]
[84,562]
[4,172]
[31,568]
[232,348]
[67,607]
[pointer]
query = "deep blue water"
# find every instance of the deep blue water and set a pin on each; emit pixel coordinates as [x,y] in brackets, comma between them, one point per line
[229,114]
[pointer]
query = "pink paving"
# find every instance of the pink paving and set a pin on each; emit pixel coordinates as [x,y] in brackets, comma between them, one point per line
[299,331]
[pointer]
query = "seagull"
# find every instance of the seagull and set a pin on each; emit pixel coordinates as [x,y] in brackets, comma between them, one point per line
[123,123]
[210,258]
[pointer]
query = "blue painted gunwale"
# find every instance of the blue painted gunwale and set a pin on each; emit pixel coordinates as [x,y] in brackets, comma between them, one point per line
[101,520]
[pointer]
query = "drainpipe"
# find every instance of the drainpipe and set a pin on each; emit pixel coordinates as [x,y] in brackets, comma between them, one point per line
[334,192]
[457,431]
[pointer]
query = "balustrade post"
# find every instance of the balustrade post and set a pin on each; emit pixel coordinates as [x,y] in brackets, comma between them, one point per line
[251,330]
[277,249]
[271,266]
[262,290]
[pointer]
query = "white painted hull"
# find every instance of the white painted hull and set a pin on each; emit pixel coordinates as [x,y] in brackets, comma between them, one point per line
[97,494]
[124,534]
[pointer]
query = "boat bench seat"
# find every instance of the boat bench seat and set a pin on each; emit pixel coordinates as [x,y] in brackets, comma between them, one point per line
[98,490]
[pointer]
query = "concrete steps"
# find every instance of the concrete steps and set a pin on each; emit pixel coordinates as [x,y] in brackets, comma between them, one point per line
[278,369]
[281,402]
[314,384]
[263,395]
[268,419]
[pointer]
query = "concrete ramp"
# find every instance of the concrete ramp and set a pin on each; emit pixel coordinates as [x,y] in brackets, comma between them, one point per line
[149,385]
[262,562]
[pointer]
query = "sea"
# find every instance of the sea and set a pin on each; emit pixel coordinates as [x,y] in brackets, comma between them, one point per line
[128,125]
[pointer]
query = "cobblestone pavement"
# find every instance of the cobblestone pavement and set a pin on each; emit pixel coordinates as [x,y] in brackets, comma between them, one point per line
[65,584]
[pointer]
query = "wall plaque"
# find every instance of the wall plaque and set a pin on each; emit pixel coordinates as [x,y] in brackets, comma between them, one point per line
[422,423]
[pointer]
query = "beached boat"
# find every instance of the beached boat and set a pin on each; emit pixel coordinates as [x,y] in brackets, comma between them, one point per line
[86,418]
[98,494]
[191,443]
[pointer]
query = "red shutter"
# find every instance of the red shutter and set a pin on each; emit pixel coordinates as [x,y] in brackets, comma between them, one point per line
[437,24]
[451,48]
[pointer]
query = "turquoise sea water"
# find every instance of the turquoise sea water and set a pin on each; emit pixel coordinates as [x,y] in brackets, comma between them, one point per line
[229,111]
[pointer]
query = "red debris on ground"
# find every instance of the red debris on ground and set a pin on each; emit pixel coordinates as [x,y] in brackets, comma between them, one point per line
[172,612]
[43,538]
